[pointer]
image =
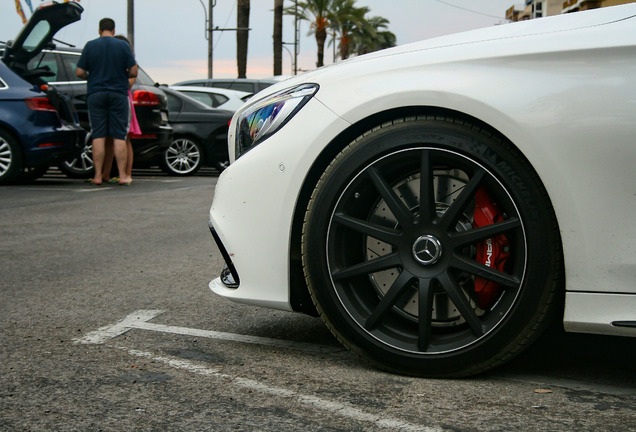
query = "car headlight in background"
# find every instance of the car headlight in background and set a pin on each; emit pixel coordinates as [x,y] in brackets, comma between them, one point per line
[264,118]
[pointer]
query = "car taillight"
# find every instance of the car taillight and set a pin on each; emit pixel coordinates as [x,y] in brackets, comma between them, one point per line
[143,97]
[40,104]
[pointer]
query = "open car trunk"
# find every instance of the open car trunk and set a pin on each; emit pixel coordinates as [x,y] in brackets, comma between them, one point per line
[36,35]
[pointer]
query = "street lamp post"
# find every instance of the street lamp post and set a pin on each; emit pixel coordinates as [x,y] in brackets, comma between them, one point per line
[209,32]
[291,57]
[296,37]
[131,22]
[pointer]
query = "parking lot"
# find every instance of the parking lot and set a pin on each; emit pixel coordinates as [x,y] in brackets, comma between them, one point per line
[107,323]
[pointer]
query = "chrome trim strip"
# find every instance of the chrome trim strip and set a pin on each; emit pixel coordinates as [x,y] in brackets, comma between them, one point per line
[66,82]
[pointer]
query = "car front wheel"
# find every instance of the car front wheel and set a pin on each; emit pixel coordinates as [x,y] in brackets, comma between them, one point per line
[430,248]
[183,157]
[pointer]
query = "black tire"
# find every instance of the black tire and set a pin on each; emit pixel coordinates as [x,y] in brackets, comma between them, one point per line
[395,278]
[183,157]
[11,160]
[82,165]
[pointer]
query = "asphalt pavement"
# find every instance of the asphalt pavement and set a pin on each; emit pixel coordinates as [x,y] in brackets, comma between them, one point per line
[107,324]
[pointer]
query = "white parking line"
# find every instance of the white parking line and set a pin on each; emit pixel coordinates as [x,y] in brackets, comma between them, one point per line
[140,318]
[331,407]
[102,334]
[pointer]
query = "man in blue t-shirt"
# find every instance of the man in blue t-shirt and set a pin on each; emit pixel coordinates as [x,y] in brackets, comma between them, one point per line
[107,63]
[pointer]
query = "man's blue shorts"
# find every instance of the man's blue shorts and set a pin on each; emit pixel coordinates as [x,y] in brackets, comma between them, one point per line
[109,114]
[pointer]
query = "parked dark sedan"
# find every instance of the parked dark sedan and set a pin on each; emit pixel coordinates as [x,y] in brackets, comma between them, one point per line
[200,135]
[38,125]
[148,99]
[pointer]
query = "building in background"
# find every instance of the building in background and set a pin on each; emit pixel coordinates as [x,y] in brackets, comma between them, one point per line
[540,8]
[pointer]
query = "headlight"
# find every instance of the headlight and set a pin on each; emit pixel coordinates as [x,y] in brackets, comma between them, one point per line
[264,118]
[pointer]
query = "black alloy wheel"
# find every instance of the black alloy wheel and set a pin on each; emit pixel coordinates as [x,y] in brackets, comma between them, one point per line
[183,157]
[430,248]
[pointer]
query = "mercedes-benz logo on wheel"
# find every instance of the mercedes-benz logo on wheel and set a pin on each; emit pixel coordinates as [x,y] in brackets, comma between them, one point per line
[427,249]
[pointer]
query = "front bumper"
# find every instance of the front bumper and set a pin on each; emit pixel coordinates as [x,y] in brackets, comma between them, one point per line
[254,204]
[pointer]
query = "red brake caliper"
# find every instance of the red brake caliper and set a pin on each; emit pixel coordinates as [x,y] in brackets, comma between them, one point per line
[492,252]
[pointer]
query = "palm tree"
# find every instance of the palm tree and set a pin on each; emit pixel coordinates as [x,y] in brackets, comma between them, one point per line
[347,19]
[242,23]
[354,32]
[318,13]
[278,37]
[372,37]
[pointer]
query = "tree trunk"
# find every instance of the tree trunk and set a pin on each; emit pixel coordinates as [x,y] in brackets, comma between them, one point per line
[242,22]
[278,37]
[321,37]
[344,47]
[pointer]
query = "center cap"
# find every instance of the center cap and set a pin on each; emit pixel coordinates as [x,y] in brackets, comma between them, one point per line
[427,249]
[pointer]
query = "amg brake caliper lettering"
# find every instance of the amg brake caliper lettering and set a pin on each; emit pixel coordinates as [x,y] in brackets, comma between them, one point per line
[492,252]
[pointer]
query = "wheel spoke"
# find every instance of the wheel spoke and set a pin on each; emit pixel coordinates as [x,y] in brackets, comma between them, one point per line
[376,231]
[453,213]
[397,206]
[425,312]
[479,234]
[367,267]
[390,298]
[86,162]
[456,295]
[427,194]
[483,271]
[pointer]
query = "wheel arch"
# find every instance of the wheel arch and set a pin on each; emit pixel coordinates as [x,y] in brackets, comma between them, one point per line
[300,298]
[6,128]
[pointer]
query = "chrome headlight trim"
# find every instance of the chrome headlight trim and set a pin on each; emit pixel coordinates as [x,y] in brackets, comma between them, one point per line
[264,118]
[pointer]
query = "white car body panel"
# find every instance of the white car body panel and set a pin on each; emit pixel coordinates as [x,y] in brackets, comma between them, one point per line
[567,60]
[256,224]
[599,313]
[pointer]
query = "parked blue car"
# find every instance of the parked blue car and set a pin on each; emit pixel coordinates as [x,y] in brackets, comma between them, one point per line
[38,125]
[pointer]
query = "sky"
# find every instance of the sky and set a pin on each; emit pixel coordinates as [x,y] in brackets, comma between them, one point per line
[170,43]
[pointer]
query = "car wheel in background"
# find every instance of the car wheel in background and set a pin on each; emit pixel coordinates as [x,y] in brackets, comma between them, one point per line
[183,157]
[430,248]
[11,162]
[80,166]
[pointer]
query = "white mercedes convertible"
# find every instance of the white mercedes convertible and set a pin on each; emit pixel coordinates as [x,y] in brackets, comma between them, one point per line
[437,203]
